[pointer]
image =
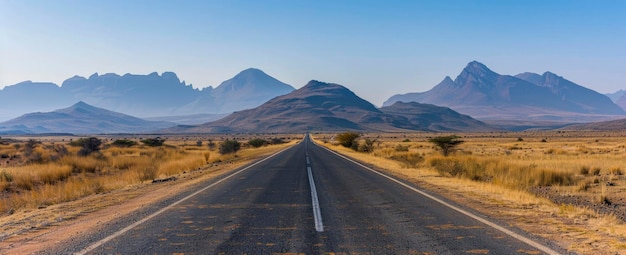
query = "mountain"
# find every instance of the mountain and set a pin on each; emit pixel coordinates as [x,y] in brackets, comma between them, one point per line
[611,125]
[436,118]
[151,95]
[79,118]
[248,89]
[616,95]
[487,95]
[29,96]
[194,119]
[317,106]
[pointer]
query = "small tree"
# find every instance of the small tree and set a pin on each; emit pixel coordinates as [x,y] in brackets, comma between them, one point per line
[229,146]
[347,139]
[89,145]
[446,144]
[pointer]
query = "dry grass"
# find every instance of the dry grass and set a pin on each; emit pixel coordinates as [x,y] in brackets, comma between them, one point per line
[59,177]
[497,174]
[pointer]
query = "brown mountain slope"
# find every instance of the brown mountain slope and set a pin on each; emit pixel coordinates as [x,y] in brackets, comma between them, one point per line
[318,106]
[612,125]
[436,118]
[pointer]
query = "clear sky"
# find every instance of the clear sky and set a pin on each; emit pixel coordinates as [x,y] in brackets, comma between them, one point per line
[375,48]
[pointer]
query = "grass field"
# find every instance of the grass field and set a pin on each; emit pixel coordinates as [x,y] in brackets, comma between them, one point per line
[48,171]
[566,186]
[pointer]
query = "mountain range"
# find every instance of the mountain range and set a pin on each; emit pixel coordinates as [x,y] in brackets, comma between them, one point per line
[487,95]
[79,118]
[320,106]
[151,95]
[262,104]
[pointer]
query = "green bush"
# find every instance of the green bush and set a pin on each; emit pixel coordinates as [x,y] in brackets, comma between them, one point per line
[89,145]
[347,139]
[257,142]
[229,146]
[153,142]
[124,143]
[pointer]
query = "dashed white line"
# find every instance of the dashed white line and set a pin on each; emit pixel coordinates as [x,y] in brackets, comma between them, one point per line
[317,214]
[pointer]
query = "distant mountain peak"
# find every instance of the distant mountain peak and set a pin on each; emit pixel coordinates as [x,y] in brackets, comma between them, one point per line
[252,79]
[479,91]
[315,84]
[478,69]
[81,104]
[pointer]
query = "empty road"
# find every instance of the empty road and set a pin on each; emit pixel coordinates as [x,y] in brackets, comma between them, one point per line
[306,200]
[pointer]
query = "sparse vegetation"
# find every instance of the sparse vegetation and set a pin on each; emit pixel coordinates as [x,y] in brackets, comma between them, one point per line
[153,142]
[229,146]
[347,139]
[65,173]
[581,175]
[124,143]
[446,144]
[88,145]
[257,142]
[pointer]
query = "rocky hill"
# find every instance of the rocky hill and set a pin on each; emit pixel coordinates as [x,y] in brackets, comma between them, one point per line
[320,107]
[487,95]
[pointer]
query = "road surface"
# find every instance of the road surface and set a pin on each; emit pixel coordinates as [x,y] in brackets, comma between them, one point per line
[307,200]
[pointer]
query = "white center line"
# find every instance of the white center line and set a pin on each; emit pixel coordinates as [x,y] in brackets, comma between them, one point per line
[317,214]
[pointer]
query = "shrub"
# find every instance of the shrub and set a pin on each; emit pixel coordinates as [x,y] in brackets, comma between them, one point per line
[211,144]
[367,145]
[399,147]
[596,171]
[616,170]
[257,142]
[153,142]
[277,141]
[229,146]
[347,139]
[124,143]
[89,145]
[408,160]
[584,170]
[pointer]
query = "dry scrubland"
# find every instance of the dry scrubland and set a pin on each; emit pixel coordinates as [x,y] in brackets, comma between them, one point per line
[566,186]
[39,172]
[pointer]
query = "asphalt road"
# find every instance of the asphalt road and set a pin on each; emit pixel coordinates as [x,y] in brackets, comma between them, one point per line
[270,208]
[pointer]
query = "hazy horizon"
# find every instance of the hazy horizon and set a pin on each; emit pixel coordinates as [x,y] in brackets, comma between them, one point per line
[363,45]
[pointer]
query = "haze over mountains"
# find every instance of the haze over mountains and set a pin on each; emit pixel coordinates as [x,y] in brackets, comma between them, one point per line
[151,95]
[486,95]
[519,102]
[79,118]
[320,106]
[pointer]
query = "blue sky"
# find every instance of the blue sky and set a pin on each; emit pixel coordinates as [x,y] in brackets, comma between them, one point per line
[375,48]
